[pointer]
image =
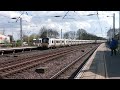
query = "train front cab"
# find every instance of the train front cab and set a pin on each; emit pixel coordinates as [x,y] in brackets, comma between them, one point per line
[45,43]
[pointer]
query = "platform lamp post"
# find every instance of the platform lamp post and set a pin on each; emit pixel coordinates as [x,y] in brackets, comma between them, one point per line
[113,24]
[20,30]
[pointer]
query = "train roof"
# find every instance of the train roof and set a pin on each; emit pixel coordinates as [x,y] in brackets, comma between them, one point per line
[39,38]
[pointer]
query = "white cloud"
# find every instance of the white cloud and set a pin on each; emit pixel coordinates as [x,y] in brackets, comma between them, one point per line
[9,14]
[72,21]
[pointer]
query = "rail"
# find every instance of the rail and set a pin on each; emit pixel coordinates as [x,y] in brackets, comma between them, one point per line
[68,66]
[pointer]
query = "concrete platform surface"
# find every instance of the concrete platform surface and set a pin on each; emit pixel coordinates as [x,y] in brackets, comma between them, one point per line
[101,65]
[15,48]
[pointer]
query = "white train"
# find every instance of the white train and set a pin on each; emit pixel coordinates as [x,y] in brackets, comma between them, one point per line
[37,42]
[53,43]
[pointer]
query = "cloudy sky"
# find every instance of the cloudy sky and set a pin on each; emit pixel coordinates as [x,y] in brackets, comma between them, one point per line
[32,21]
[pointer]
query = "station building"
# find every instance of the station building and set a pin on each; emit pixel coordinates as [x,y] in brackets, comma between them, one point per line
[4,40]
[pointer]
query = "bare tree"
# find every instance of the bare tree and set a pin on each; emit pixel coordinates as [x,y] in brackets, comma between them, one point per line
[43,32]
[69,35]
[66,35]
[81,34]
[51,33]
[25,38]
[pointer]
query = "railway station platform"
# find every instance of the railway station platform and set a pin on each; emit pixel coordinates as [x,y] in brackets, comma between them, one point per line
[101,65]
[15,49]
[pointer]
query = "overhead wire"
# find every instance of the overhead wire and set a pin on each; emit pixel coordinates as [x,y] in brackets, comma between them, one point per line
[19,16]
[29,22]
[78,14]
[83,15]
[97,17]
[65,15]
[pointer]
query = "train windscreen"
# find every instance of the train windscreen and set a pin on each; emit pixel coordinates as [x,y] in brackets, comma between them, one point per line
[45,40]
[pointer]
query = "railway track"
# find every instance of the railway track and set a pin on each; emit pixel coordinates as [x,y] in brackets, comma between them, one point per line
[34,56]
[72,69]
[11,68]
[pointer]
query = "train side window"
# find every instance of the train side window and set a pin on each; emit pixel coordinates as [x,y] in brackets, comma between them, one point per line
[52,41]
